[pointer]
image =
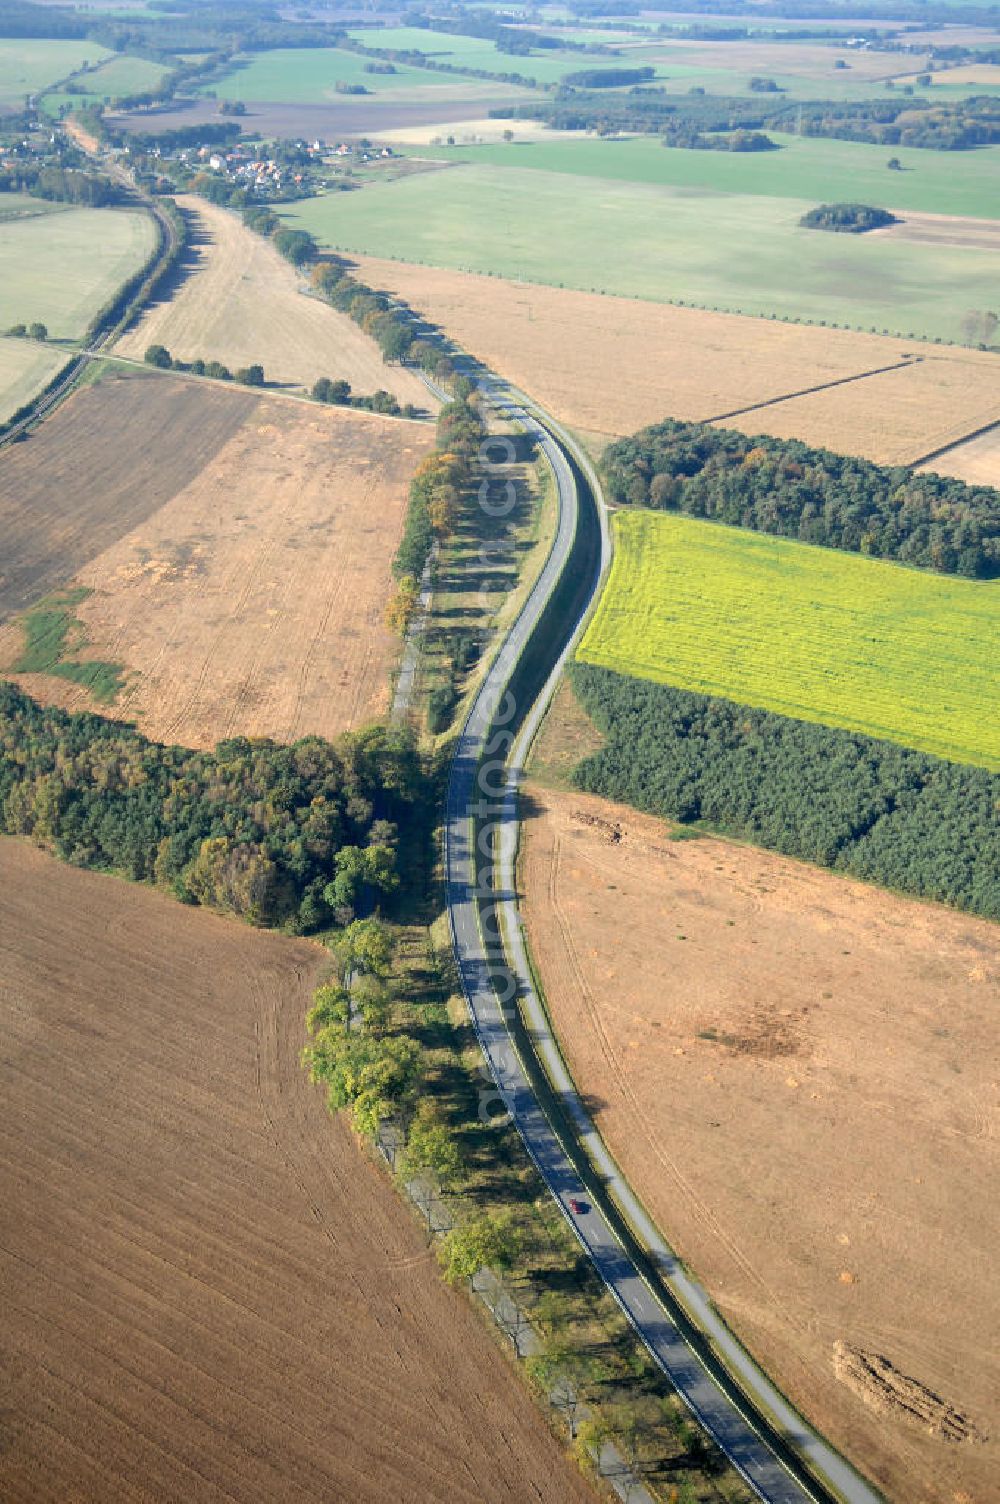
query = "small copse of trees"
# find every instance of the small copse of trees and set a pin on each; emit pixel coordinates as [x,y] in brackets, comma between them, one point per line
[847,219]
[302,836]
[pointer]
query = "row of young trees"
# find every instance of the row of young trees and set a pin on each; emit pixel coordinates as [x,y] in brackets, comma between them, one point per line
[300,836]
[378,1071]
[436,492]
[370,1048]
[132,295]
[337,393]
[881,812]
[160,356]
[786,487]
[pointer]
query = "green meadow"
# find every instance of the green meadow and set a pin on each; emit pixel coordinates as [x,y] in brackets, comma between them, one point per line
[309,76]
[736,252]
[25,368]
[937,182]
[102,246]
[805,632]
[28,65]
[546,67]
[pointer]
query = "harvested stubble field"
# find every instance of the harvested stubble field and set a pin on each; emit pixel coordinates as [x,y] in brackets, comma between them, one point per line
[977,462]
[241,302]
[794,1071]
[896,416]
[251,602]
[210,1293]
[803,631]
[609,366]
[84,479]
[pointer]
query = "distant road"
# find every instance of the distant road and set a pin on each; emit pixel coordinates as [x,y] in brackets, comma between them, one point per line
[761,1435]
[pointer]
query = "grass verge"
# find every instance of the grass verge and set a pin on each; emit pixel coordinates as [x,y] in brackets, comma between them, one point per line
[53,637]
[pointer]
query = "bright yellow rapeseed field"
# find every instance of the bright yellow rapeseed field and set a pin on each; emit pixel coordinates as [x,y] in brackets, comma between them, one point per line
[803,631]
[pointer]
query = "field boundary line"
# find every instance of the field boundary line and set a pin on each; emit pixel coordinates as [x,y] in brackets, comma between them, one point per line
[966,438]
[822,386]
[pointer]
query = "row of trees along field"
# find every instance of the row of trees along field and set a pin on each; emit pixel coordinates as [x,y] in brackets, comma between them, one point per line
[940,125]
[785,487]
[300,836]
[864,807]
[436,492]
[66,185]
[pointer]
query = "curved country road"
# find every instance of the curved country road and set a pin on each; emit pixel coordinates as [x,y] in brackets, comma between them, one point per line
[782,1460]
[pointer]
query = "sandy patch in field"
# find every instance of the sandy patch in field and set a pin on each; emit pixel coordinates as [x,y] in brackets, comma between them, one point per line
[612,365]
[895,417]
[241,302]
[210,1293]
[798,1074]
[252,603]
[476,131]
[102,463]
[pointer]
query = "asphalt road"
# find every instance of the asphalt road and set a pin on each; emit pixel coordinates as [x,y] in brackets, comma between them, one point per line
[486,932]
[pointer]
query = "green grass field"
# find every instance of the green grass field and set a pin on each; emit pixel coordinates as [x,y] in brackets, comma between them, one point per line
[23,206]
[309,76]
[124,75]
[805,632]
[734,252]
[24,369]
[60,268]
[478,52]
[936,182]
[28,65]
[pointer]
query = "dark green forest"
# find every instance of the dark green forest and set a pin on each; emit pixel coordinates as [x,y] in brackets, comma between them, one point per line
[785,487]
[300,836]
[864,807]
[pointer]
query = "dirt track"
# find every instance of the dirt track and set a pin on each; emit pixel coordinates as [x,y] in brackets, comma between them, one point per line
[240,302]
[796,1073]
[209,1292]
[100,465]
[252,603]
[609,366]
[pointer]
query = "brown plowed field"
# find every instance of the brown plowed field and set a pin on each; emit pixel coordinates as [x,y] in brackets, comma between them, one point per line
[798,1075]
[609,366]
[100,465]
[210,1293]
[252,602]
[240,302]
